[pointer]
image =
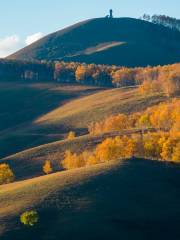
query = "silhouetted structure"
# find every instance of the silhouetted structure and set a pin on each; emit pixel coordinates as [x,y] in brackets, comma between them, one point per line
[111,13]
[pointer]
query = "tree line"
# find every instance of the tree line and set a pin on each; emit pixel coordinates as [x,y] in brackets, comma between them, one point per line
[151,79]
[14,70]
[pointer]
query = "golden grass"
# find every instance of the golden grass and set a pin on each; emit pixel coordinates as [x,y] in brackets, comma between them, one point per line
[80,112]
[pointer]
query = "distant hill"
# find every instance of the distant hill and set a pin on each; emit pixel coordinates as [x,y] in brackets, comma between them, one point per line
[120,41]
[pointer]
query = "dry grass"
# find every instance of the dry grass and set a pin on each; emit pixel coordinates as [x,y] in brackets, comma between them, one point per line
[80,112]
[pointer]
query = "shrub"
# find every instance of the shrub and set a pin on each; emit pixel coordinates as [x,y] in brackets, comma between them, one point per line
[29,218]
[6,174]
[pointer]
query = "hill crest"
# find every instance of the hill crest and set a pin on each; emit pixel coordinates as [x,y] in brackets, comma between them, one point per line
[120,41]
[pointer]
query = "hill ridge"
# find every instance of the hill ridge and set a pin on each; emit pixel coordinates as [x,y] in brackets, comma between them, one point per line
[145,43]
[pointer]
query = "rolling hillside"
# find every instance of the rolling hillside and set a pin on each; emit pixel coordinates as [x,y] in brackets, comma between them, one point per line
[121,41]
[54,110]
[118,200]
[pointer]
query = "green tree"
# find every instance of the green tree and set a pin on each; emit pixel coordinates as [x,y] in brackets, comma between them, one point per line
[29,218]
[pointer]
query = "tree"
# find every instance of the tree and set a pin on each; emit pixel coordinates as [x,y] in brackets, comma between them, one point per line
[29,218]
[151,147]
[149,87]
[172,84]
[47,168]
[167,149]
[176,153]
[71,135]
[144,121]
[6,174]
[92,160]
[114,149]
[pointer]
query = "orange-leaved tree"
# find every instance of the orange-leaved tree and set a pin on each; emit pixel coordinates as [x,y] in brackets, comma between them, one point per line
[47,168]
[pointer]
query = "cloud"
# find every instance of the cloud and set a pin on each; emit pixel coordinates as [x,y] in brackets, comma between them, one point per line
[9,45]
[33,38]
[12,43]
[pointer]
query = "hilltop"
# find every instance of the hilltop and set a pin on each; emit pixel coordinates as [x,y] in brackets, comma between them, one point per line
[121,41]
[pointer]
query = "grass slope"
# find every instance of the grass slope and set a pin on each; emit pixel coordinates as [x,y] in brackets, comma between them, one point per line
[21,103]
[144,43]
[133,199]
[29,163]
[79,113]
[49,128]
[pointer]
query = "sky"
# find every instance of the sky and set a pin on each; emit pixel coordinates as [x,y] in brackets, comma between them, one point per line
[25,21]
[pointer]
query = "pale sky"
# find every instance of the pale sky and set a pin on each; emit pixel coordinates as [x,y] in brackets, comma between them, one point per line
[24,21]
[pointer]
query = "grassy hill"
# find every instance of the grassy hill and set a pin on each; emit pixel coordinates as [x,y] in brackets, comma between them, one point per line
[132,199]
[121,41]
[56,109]
[21,103]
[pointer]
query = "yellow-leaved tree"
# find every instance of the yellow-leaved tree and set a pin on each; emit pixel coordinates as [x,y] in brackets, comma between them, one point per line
[71,135]
[47,168]
[176,153]
[6,174]
[73,160]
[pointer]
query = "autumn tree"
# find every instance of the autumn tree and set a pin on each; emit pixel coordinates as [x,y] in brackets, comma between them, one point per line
[169,148]
[71,135]
[144,121]
[115,148]
[151,147]
[150,87]
[47,168]
[176,153]
[73,160]
[6,174]
[171,85]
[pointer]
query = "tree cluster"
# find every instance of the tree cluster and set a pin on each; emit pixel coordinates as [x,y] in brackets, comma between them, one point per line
[161,78]
[13,70]
[160,146]
[165,116]
[164,20]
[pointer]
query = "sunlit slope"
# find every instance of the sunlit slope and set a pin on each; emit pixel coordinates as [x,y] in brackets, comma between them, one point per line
[120,41]
[29,163]
[133,199]
[80,112]
[21,103]
[76,114]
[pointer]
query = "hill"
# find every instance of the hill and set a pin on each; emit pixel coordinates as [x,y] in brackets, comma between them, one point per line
[133,199]
[54,110]
[121,41]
